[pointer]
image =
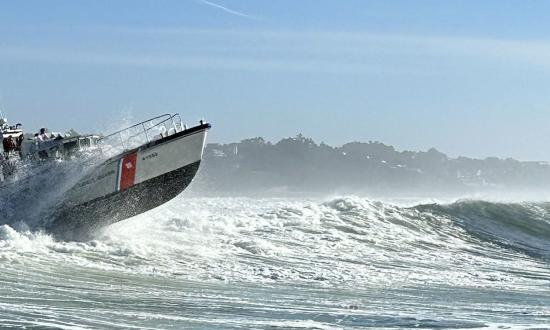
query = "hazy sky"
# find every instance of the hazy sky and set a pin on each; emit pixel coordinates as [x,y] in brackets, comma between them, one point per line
[467,77]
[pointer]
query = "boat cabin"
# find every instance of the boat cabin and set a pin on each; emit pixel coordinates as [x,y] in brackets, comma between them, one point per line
[16,143]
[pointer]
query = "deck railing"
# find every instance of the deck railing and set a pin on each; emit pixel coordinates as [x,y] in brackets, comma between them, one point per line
[144,132]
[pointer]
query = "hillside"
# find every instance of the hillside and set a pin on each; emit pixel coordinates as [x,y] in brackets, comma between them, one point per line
[299,164]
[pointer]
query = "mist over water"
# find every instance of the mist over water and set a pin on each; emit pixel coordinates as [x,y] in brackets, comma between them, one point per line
[300,166]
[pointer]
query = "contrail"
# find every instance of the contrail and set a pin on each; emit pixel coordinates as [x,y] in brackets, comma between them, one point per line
[227,10]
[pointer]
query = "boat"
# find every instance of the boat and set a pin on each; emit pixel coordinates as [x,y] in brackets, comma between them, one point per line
[147,165]
[16,146]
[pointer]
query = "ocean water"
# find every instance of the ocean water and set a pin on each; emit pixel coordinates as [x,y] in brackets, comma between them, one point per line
[288,263]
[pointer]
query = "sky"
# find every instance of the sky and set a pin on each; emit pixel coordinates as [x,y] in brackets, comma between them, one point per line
[466,77]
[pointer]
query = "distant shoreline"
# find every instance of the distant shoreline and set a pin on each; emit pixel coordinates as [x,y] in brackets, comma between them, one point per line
[299,165]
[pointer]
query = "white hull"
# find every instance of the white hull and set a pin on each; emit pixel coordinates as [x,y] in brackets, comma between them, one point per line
[131,183]
[139,165]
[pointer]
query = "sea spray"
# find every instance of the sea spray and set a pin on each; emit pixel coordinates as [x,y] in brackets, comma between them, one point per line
[38,187]
[345,262]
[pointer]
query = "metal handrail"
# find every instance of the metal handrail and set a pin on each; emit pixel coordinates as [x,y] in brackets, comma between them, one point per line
[136,125]
[166,118]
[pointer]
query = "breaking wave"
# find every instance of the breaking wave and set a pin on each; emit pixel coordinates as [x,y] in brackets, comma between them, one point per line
[402,259]
[264,237]
[523,227]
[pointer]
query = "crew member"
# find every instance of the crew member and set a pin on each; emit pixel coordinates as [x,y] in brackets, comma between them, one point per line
[43,136]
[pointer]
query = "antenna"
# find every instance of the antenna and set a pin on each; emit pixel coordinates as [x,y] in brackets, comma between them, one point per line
[2,106]
[3,120]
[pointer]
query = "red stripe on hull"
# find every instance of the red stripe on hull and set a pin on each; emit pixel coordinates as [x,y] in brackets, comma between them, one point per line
[128,171]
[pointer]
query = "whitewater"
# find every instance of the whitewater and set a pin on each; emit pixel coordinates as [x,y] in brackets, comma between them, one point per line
[345,262]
